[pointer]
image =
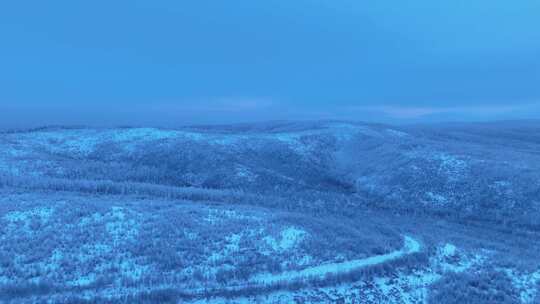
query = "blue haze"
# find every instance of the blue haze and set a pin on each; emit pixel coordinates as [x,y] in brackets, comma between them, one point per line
[213,151]
[271,213]
[177,62]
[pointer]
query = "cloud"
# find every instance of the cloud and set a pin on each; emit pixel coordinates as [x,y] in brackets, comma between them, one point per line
[420,112]
[222,104]
[172,113]
[240,104]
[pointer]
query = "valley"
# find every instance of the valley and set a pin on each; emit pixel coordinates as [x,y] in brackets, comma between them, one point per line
[312,212]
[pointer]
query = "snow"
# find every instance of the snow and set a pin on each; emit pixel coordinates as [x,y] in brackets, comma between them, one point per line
[368,131]
[449,250]
[22,220]
[396,133]
[407,288]
[119,227]
[74,141]
[42,213]
[437,199]
[305,260]
[451,165]
[131,269]
[89,220]
[410,287]
[143,133]
[245,173]
[216,216]
[119,224]
[4,279]
[525,283]
[88,252]
[125,263]
[414,287]
[449,259]
[289,237]
[54,261]
[191,235]
[232,244]
[83,280]
[402,287]
[130,137]
[319,272]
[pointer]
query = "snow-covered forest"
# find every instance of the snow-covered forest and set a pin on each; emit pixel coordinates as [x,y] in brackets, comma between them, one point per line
[281,212]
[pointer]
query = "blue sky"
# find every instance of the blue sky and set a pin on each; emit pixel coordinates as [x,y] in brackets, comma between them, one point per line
[178,62]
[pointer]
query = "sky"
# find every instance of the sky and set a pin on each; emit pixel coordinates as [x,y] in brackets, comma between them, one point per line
[169,63]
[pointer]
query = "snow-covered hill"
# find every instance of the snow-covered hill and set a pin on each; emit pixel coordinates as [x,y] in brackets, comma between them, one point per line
[467,172]
[278,212]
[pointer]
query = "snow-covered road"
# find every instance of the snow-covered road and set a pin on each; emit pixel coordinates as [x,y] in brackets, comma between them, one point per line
[321,271]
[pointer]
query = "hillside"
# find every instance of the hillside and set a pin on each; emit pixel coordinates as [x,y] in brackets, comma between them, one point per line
[277,212]
[470,172]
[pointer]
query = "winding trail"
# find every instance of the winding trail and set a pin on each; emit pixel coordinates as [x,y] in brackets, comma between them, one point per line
[410,246]
[263,281]
[319,272]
